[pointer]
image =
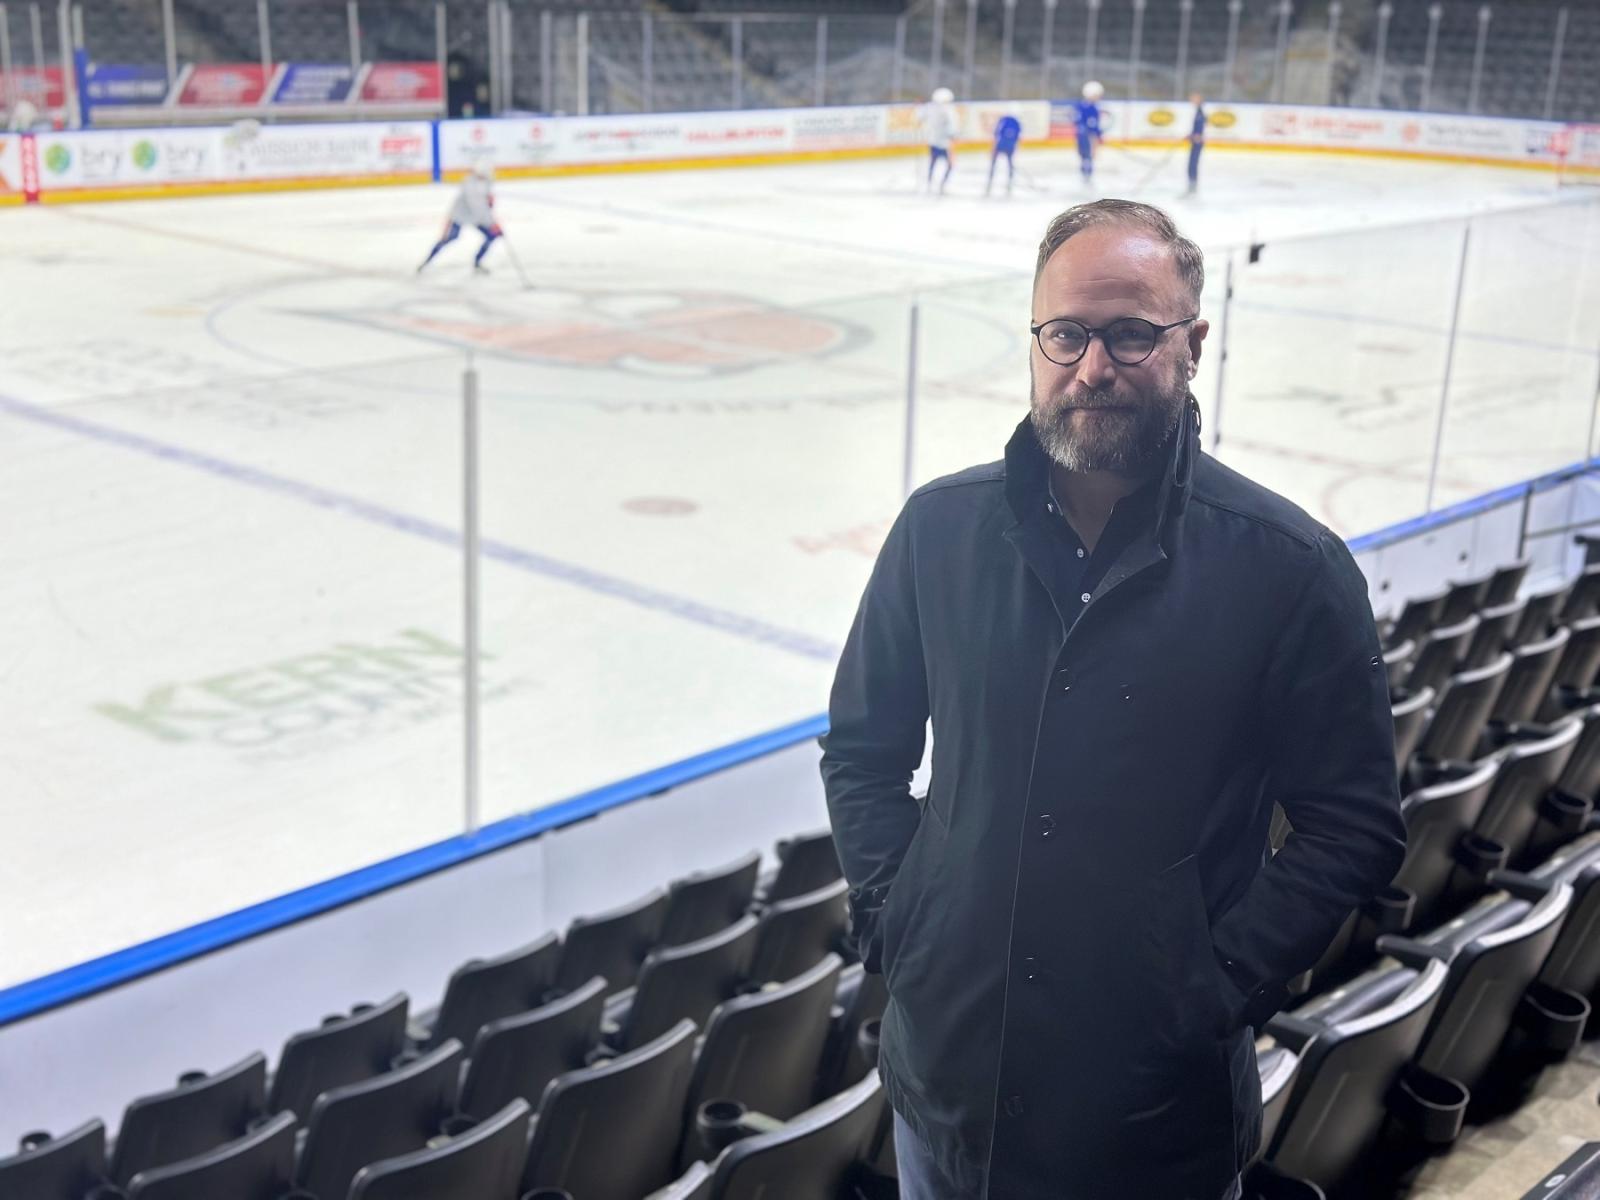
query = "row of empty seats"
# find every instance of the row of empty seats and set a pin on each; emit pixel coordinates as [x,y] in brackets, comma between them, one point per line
[646,1040]
[1439,1001]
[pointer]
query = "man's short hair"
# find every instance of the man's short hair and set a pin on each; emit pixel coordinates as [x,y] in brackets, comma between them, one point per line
[1186,256]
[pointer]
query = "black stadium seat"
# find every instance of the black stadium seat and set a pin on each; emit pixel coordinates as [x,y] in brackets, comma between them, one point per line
[484,1163]
[480,990]
[200,1114]
[1496,628]
[1462,712]
[682,982]
[611,944]
[764,1050]
[706,902]
[63,1168]
[378,1118]
[1410,715]
[1353,1052]
[1533,669]
[516,1057]
[813,1155]
[1494,951]
[344,1050]
[805,864]
[1439,818]
[258,1166]
[1441,649]
[796,933]
[613,1129]
[1528,771]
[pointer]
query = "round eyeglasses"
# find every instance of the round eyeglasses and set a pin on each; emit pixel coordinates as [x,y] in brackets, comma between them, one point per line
[1128,340]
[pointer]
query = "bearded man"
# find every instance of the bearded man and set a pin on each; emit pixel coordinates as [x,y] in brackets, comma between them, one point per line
[1128,653]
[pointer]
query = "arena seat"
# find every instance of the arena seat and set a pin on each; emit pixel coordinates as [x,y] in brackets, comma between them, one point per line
[481,990]
[1495,952]
[681,982]
[1496,627]
[1529,770]
[613,1129]
[859,1004]
[56,1168]
[1533,669]
[705,902]
[611,944]
[1573,684]
[794,934]
[1438,820]
[258,1166]
[377,1118]
[1353,1056]
[1410,714]
[344,1050]
[1441,648]
[483,1163]
[805,863]
[1459,718]
[813,1155]
[764,1050]
[516,1057]
[200,1114]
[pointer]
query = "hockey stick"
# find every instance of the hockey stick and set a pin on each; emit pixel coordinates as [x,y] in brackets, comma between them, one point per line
[516,262]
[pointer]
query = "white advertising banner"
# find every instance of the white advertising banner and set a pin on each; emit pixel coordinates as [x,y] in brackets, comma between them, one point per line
[665,137]
[134,158]
[1355,129]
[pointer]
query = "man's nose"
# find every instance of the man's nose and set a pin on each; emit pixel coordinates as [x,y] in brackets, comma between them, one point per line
[1097,368]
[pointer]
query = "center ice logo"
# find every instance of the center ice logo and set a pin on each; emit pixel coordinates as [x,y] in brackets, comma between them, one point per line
[671,334]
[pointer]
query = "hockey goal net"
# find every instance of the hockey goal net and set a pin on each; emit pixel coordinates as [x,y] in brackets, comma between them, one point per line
[1578,155]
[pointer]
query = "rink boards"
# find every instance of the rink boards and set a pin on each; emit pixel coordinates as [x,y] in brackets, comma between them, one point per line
[136,163]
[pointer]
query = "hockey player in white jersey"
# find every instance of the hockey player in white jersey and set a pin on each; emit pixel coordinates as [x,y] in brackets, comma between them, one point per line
[939,122]
[474,205]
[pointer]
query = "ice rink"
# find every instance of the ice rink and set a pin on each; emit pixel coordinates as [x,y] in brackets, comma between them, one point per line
[230,462]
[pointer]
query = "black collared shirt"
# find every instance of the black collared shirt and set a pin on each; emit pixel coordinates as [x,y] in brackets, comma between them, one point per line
[1080,570]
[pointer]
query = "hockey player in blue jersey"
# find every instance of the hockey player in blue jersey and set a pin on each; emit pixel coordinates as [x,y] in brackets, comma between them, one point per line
[1006,132]
[1197,141]
[1086,115]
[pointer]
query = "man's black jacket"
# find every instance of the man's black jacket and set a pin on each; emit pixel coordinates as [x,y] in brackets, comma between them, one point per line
[1082,922]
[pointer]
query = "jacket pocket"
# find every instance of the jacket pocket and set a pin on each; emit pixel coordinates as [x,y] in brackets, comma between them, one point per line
[1198,1000]
[897,920]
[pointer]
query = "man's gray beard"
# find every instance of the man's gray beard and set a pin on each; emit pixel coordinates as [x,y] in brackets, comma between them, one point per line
[1124,442]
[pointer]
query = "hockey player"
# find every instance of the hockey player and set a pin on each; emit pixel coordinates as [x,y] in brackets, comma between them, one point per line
[939,122]
[1197,140]
[1086,115]
[1006,132]
[474,205]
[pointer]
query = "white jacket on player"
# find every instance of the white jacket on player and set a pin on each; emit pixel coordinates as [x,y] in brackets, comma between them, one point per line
[939,123]
[474,204]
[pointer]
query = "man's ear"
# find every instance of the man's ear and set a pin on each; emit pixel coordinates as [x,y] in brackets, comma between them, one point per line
[1197,335]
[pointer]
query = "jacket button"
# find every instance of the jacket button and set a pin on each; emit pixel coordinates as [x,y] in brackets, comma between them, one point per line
[1013,1106]
[1084,597]
[1047,825]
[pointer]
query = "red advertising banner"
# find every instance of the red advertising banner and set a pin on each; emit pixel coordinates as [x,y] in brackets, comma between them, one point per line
[224,85]
[403,83]
[43,87]
[30,169]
